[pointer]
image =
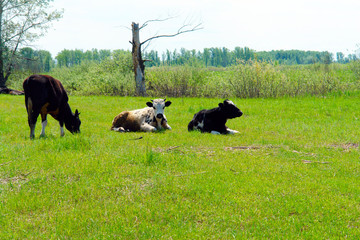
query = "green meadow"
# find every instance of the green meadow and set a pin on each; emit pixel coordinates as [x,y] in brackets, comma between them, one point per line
[293,172]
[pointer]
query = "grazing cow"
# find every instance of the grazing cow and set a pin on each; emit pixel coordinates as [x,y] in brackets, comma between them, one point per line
[46,95]
[213,120]
[148,119]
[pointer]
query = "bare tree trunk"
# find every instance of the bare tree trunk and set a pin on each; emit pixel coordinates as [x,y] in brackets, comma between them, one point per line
[139,67]
[2,77]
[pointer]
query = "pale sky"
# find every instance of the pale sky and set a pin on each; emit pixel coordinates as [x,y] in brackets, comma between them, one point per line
[319,25]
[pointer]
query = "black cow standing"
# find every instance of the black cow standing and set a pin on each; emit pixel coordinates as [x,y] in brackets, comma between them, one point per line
[46,95]
[214,120]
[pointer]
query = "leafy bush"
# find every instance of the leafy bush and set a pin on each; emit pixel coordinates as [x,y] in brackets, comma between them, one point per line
[259,79]
[251,79]
[181,81]
[110,77]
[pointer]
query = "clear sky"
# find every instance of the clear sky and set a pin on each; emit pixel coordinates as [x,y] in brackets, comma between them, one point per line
[320,25]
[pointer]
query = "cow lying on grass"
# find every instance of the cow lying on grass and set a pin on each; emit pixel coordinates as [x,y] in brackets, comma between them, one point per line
[149,119]
[46,95]
[214,120]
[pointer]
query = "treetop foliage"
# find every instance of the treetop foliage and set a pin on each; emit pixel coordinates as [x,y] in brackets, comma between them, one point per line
[42,61]
[223,57]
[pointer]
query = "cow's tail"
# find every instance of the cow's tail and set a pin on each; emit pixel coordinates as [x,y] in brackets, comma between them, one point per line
[29,105]
[28,101]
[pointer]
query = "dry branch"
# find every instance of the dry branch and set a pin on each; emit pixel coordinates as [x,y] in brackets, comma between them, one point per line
[155,20]
[180,31]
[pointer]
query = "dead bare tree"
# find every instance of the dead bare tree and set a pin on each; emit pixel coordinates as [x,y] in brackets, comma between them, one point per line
[139,67]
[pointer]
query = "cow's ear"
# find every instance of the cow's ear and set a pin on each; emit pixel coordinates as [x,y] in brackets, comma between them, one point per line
[149,104]
[77,113]
[221,105]
[226,101]
[168,103]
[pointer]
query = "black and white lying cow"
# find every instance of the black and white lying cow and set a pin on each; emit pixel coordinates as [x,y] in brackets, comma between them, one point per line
[46,95]
[214,120]
[149,119]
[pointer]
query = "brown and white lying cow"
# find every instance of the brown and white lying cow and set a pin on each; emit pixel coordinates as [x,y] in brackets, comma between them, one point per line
[46,95]
[149,119]
[214,120]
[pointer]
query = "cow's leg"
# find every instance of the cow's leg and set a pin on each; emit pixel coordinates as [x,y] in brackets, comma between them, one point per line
[28,105]
[147,128]
[165,125]
[43,112]
[33,114]
[222,130]
[119,129]
[230,131]
[32,118]
[43,124]
[215,132]
[62,133]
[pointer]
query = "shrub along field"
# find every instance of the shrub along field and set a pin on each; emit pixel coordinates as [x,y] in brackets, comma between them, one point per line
[292,172]
[252,79]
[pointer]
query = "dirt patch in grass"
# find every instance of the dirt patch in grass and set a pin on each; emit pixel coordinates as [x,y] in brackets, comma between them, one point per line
[241,148]
[345,146]
[21,178]
[249,147]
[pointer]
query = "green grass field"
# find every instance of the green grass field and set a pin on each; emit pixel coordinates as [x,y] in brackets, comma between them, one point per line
[292,172]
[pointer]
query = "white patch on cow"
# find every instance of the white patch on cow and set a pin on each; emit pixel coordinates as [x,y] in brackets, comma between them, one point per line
[215,132]
[200,125]
[43,125]
[158,106]
[141,113]
[231,102]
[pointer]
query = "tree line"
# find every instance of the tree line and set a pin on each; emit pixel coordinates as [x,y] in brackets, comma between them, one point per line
[223,57]
[42,61]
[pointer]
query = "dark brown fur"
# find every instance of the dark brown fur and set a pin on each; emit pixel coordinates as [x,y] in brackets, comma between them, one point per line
[127,121]
[46,95]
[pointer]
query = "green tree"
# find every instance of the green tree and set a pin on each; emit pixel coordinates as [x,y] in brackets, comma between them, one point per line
[340,57]
[96,55]
[47,62]
[206,56]
[104,54]
[63,58]
[21,22]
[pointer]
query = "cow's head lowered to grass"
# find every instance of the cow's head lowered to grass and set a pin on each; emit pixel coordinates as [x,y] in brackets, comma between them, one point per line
[159,106]
[73,122]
